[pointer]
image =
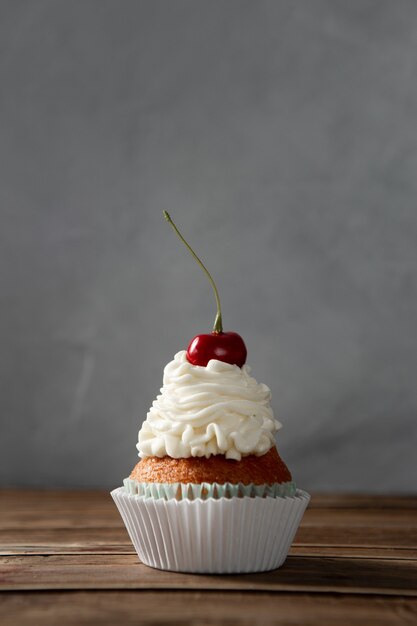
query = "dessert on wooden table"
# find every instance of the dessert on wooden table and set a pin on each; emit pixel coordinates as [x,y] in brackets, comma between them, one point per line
[211,492]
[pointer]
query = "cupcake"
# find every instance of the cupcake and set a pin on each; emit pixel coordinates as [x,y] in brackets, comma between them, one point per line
[211,493]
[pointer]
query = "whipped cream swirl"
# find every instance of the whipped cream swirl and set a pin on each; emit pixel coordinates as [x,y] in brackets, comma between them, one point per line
[202,411]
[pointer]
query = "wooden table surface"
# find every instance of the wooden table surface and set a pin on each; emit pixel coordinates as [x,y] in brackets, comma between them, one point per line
[67,559]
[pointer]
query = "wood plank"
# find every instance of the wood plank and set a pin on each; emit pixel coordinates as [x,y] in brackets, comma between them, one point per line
[190,608]
[354,552]
[320,575]
[359,517]
[18,497]
[364,536]
[52,509]
[89,517]
[354,561]
[96,516]
[96,509]
[51,541]
[296,550]
[22,497]
[362,501]
[56,540]
[27,502]
[30,497]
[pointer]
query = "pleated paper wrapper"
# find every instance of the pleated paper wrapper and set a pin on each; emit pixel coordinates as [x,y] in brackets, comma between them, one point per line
[213,536]
[193,491]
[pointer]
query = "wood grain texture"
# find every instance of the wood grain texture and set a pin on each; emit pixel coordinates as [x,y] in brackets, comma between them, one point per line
[196,608]
[336,575]
[80,539]
[66,557]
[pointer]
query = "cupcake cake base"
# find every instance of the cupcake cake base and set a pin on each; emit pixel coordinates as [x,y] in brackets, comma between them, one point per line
[213,536]
[266,468]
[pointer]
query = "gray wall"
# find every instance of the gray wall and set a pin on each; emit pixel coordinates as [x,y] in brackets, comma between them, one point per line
[282,136]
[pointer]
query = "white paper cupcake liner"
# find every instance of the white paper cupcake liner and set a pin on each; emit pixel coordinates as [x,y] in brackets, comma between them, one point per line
[223,536]
[193,491]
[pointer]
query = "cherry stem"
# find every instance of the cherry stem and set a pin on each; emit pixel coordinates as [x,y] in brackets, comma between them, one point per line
[218,323]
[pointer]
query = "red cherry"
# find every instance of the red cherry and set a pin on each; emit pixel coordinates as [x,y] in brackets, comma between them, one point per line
[228,347]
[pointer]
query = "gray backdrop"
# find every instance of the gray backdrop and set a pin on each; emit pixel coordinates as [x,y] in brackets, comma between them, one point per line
[282,137]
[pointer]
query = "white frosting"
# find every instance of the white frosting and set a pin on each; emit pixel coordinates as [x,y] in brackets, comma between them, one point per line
[217,409]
